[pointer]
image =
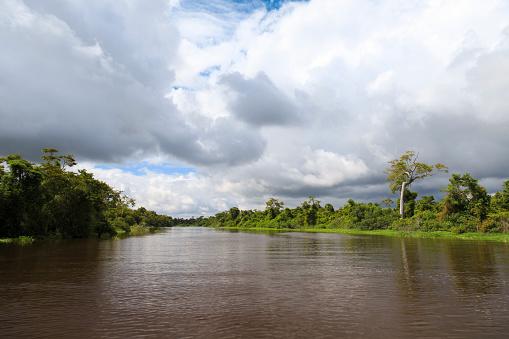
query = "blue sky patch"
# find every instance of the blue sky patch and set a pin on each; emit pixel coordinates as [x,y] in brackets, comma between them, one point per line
[276,4]
[141,168]
[207,72]
[245,6]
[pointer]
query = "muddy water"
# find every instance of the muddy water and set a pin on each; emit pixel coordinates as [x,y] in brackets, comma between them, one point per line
[199,282]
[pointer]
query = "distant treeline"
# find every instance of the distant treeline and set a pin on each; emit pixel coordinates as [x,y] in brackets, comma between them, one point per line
[47,200]
[465,207]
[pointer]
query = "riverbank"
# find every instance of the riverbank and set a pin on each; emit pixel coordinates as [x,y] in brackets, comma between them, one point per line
[135,231]
[23,240]
[499,237]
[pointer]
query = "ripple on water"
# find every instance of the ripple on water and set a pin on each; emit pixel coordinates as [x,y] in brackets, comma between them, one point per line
[197,282]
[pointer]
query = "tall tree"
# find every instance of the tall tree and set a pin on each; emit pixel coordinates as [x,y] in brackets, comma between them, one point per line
[234,213]
[19,196]
[310,208]
[404,171]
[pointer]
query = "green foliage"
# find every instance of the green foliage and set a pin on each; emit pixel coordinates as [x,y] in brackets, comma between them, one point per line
[21,240]
[426,203]
[310,214]
[408,169]
[462,211]
[273,207]
[465,195]
[426,221]
[500,201]
[309,210]
[496,223]
[234,213]
[138,230]
[364,216]
[46,199]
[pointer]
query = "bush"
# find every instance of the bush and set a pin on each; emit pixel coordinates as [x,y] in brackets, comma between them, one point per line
[496,222]
[139,230]
[120,225]
[461,222]
[403,225]
[424,221]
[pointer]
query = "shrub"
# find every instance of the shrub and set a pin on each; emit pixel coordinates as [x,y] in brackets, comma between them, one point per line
[496,222]
[462,222]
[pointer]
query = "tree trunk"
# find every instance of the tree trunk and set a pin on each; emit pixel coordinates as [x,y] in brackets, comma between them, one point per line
[402,200]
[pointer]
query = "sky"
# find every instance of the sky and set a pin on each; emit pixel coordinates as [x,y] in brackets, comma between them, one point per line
[194,106]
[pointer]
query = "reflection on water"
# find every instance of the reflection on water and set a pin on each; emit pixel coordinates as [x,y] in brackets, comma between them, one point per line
[197,282]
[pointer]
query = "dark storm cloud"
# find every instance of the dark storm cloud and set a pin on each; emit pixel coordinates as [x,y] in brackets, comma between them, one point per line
[259,102]
[92,85]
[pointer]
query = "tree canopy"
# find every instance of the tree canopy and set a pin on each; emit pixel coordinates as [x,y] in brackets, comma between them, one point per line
[466,207]
[402,172]
[48,199]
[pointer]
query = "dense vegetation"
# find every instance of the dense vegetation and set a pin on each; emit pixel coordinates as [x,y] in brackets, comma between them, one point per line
[50,200]
[465,207]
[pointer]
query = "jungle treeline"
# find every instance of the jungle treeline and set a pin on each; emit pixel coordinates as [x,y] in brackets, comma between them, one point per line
[466,206]
[48,199]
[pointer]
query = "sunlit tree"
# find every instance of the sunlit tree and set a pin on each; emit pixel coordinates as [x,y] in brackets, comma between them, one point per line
[404,171]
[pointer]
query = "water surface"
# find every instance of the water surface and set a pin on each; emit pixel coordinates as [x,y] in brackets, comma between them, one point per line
[199,282]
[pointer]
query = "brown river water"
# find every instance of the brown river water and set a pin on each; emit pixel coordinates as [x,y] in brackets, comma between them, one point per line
[205,283]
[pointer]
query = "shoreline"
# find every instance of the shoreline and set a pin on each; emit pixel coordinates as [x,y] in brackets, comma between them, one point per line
[498,237]
[21,240]
[29,240]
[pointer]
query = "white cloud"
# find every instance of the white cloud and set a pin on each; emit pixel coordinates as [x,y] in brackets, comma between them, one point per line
[176,194]
[314,98]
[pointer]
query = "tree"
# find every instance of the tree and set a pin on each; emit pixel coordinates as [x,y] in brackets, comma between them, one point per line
[234,213]
[465,195]
[20,183]
[387,202]
[409,206]
[310,208]
[47,199]
[51,158]
[500,200]
[404,171]
[273,207]
[426,203]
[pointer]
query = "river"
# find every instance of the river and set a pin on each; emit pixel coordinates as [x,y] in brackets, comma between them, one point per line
[205,283]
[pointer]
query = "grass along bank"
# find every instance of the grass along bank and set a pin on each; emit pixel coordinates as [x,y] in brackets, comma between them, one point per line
[500,237]
[22,240]
[134,231]
[137,230]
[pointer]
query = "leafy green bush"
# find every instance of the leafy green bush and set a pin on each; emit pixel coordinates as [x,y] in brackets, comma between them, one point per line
[425,221]
[463,222]
[496,222]
[139,230]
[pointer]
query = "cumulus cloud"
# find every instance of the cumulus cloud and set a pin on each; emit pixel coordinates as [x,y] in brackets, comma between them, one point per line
[312,98]
[80,79]
[181,195]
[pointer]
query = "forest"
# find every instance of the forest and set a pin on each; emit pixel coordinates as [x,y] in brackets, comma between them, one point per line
[50,200]
[465,206]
